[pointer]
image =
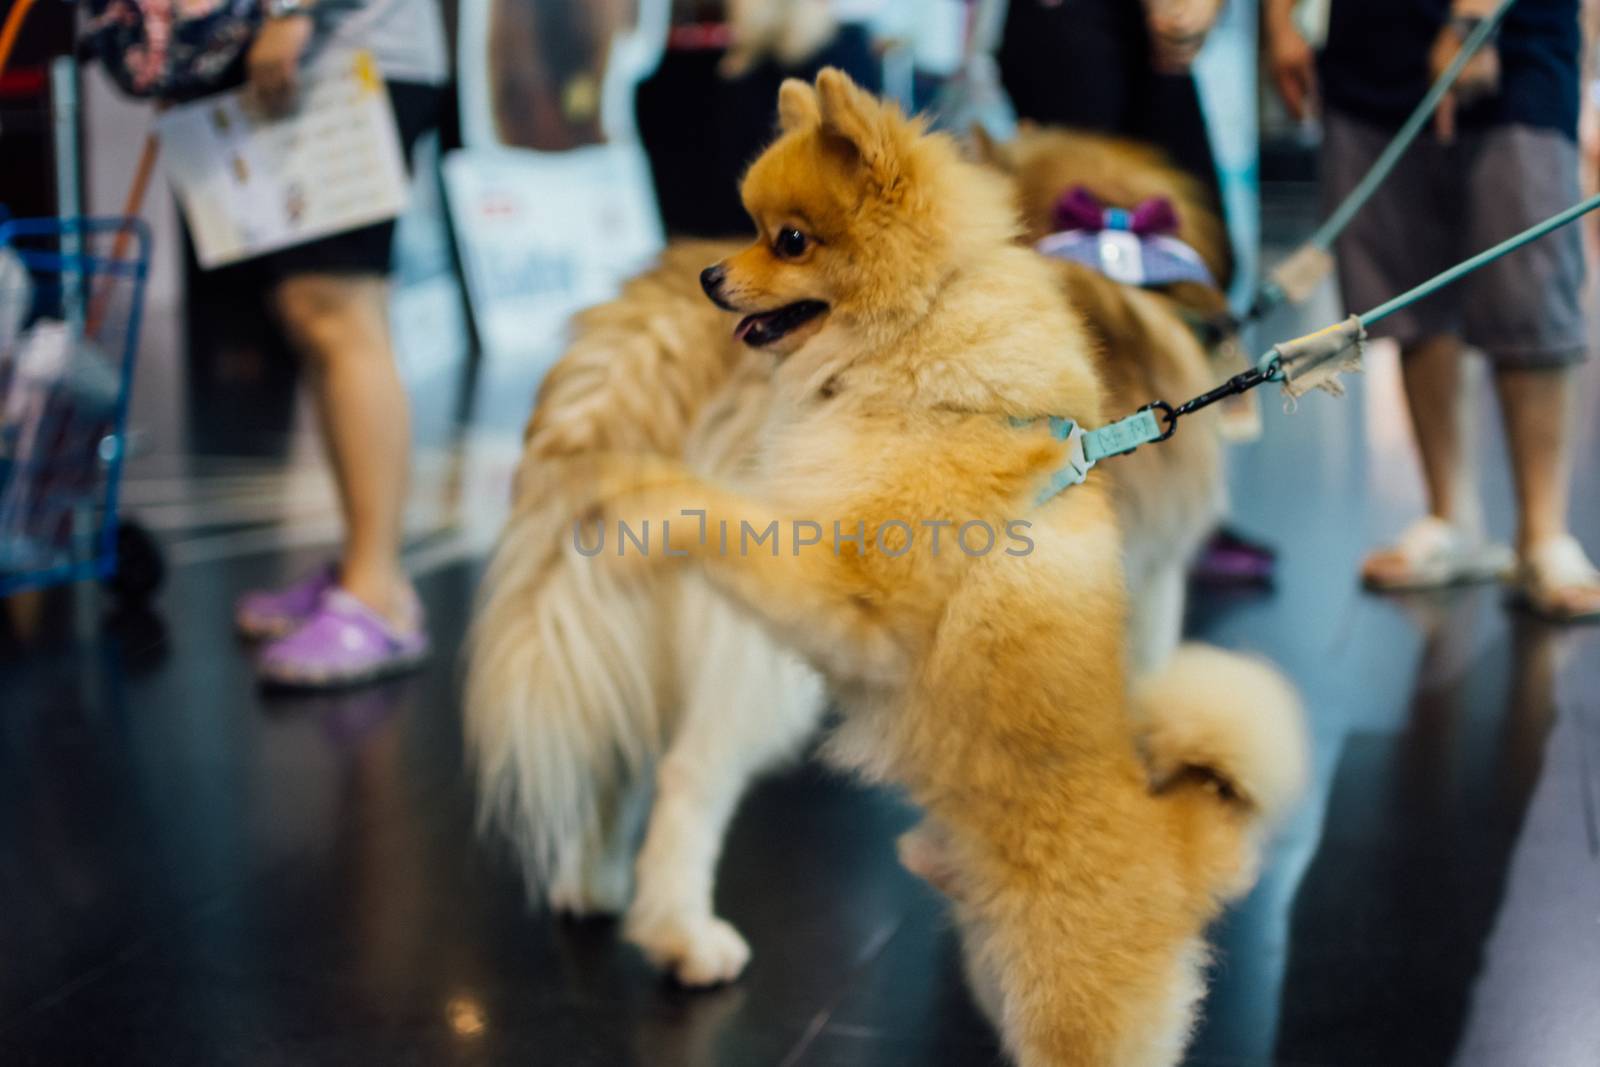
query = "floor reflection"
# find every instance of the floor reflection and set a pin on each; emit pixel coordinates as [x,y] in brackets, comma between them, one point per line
[1418,827]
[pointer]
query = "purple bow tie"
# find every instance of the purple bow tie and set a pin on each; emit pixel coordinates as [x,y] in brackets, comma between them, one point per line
[1079,209]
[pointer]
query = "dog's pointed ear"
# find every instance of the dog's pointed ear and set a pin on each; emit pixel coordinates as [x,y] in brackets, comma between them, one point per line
[797,106]
[852,117]
[846,110]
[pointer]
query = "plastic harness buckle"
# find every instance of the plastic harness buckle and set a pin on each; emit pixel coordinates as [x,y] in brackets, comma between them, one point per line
[1085,448]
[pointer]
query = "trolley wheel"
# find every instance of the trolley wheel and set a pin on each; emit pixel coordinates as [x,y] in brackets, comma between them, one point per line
[140,566]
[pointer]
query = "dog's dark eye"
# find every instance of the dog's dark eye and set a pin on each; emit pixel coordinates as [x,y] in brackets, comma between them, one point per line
[790,243]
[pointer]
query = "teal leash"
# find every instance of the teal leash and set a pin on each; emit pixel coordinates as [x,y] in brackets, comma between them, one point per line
[1286,362]
[1506,247]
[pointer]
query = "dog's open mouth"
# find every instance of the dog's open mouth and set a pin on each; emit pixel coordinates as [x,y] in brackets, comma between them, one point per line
[765,327]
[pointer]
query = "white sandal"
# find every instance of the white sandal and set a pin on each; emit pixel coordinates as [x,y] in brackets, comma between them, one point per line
[1437,554]
[1549,568]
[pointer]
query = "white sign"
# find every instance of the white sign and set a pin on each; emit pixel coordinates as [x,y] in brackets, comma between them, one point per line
[543,234]
[250,185]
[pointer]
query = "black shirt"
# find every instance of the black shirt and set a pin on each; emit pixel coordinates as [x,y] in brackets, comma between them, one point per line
[1375,63]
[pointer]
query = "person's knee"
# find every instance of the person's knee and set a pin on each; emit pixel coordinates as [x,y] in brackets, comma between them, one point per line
[325,317]
[1436,346]
[1526,375]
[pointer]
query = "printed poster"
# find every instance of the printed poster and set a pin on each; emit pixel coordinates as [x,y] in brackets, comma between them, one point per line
[250,185]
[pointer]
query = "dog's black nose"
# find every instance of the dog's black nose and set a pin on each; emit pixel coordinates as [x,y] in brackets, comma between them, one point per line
[711,281]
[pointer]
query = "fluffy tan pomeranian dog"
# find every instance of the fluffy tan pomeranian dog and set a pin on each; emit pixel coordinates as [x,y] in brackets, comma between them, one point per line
[585,687]
[922,354]
[918,352]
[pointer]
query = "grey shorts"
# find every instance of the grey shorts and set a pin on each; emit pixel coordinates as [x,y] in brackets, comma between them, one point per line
[1443,203]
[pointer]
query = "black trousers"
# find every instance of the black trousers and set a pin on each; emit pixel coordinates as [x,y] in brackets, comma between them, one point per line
[701,131]
[1086,63]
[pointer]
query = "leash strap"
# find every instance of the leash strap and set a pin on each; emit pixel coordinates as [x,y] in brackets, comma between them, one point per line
[1085,448]
[1125,435]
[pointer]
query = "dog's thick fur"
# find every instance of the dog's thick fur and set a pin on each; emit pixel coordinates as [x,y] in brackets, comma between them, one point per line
[576,686]
[992,688]
[584,686]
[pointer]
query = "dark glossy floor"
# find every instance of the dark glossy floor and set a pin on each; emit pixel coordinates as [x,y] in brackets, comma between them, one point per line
[191,873]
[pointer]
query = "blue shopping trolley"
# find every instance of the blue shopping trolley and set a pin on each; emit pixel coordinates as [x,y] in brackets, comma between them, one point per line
[71,293]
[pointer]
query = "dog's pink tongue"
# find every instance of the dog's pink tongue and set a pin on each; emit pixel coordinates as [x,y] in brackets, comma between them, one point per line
[746,324]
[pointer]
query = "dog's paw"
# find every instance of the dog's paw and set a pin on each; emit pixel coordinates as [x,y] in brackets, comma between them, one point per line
[634,520]
[698,953]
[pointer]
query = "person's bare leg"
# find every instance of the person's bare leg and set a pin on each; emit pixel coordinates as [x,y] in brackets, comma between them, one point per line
[1432,373]
[1537,406]
[339,324]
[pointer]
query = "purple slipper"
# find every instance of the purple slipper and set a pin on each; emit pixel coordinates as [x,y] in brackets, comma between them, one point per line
[1232,559]
[343,642]
[265,614]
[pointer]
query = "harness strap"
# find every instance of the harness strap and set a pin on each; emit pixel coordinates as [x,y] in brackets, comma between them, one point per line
[1085,448]
[1124,435]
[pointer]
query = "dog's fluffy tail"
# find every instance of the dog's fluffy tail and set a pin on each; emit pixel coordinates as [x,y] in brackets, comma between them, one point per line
[1225,731]
[566,687]
[562,711]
